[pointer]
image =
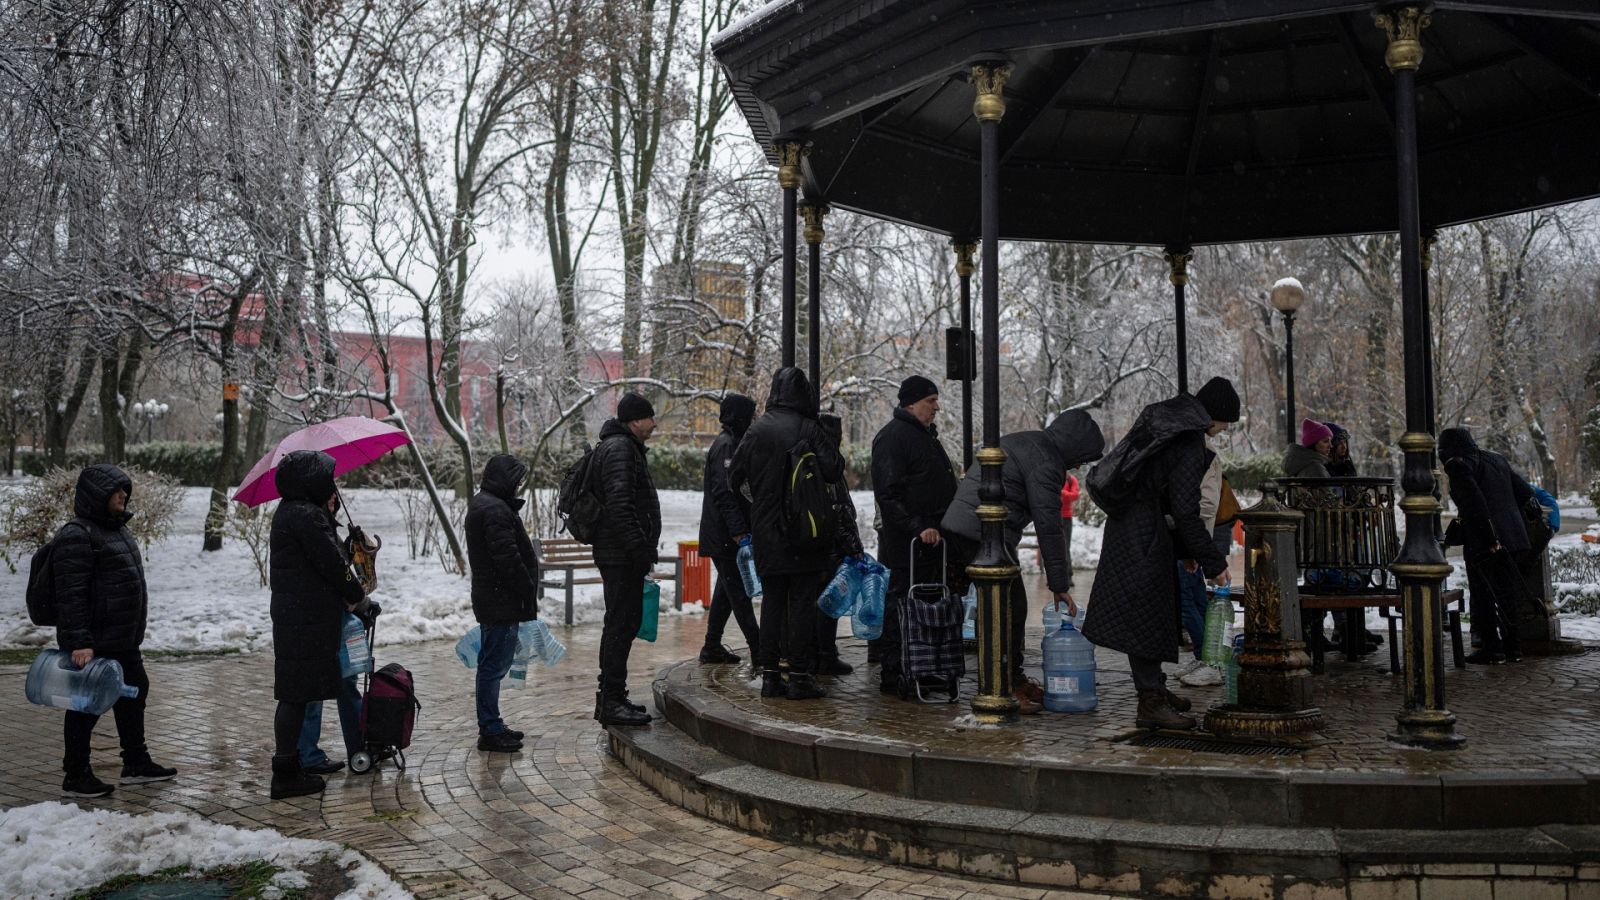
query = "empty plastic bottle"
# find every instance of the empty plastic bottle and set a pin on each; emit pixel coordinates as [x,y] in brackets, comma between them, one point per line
[1219,622]
[519,663]
[355,654]
[54,681]
[1068,670]
[747,569]
[535,641]
[843,592]
[969,623]
[867,621]
[1230,690]
[468,648]
[1052,616]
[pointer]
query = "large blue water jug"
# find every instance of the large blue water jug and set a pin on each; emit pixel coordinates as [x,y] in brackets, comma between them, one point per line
[843,592]
[54,681]
[1219,625]
[355,651]
[867,621]
[470,645]
[747,569]
[1068,670]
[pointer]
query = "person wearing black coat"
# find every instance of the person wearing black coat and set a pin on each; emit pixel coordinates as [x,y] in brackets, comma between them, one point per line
[102,606]
[912,484]
[624,548]
[505,589]
[1133,606]
[1035,469]
[313,585]
[1489,496]
[724,522]
[847,543]
[792,578]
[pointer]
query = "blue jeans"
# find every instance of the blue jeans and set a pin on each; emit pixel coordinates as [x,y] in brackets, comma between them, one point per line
[1192,602]
[349,723]
[494,661]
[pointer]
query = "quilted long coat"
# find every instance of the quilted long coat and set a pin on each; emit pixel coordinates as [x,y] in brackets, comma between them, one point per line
[1133,606]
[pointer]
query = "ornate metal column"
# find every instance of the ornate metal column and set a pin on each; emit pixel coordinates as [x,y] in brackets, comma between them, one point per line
[1178,260]
[814,211]
[1421,567]
[964,269]
[993,569]
[1275,699]
[1432,392]
[789,155]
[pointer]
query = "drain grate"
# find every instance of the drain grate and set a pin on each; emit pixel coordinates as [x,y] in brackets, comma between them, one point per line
[1212,745]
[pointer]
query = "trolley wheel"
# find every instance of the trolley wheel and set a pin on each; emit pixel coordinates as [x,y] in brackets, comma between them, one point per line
[361,762]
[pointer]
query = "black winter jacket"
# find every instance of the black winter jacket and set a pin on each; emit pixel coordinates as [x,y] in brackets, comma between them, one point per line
[724,513]
[912,482]
[505,568]
[101,600]
[761,463]
[847,540]
[1035,469]
[620,476]
[1487,493]
[311,581]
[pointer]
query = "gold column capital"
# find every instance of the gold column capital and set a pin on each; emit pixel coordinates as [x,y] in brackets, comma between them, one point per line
[790,153]
[1179,265]
[1404,27]
[964,265]
[1416,442]
[813,214]
[989,80]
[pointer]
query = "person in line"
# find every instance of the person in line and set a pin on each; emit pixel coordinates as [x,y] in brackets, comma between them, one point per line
[315,760]
[313,586]
[1309,458]
[624,548]
[1035,467]
[505,589]
[1157,471]
[1489,497]
[1340,463]
[102,606]
[793,567]
[1071,490]
[1215,494]
[913,484]
[847,545]
[724,523]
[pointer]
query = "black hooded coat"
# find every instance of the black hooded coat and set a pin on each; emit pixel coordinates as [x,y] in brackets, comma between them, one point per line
[1133,606]
[1488,495]
[505,568]
[311,581]
[101,601]
[912,482]
[760,466]
[1035,469]
[620,476]
[724,513]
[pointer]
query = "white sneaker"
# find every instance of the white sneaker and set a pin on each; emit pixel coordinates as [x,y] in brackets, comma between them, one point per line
[1186,668]
[1202,676]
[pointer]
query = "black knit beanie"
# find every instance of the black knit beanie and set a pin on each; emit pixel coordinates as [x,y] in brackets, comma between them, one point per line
[915,388]
[1220,400]
[633,407]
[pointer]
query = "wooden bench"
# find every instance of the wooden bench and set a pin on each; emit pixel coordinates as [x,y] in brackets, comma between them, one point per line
[565,556]
[1355,630]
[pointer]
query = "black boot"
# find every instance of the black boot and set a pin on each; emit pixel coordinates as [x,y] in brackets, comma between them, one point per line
[618,712]
[716,654]
[804,687]
[289,780]
[772,684]
[833,665]
[599,701]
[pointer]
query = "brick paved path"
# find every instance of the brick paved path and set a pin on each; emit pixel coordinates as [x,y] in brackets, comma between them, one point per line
[559,819]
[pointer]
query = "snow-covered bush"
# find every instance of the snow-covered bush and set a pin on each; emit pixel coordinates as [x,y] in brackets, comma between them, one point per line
[1575,579]
[36,508]
[252,526]
[1248,473]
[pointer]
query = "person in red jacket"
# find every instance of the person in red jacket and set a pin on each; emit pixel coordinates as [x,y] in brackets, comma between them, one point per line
[1069,500]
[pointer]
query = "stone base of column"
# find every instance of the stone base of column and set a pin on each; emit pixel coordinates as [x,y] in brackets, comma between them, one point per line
[1429,728]
[1238,723]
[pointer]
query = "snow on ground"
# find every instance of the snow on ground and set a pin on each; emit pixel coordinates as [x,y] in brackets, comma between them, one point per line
[57,849]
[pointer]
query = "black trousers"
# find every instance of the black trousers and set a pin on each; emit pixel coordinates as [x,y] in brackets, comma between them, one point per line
[624,595]
[129,713]
[1495,582]
[287,723]
[728,599]
[789,619]
[1147,674]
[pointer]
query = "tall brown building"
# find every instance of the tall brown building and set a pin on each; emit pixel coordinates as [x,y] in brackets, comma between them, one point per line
[704,314]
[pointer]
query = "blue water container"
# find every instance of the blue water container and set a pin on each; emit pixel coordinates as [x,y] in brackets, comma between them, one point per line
[1068,670]
[843,592]
[470,645]
[54,681]
[1051,616]
[969,622]
[747,569]
[355,652]
[867,621]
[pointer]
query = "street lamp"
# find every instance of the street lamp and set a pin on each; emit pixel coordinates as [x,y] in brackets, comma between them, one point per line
[1287,295]
[150,411]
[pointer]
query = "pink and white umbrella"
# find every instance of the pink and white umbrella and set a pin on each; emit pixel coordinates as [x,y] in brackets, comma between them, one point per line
[352,441]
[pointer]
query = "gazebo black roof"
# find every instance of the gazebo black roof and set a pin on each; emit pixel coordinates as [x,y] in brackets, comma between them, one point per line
[1173,122]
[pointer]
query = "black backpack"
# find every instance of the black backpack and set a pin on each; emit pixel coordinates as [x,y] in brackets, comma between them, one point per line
[1114,481]
[580,508]
[42,579]
[810,512]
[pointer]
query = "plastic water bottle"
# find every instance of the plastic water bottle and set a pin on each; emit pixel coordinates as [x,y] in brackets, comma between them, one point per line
[969,621]
[54,681]
[1068,670]
[747,569]
[355,655]
[519,662]
[534,641]
[867,621]
[1052,616]
[470,645]
[1219,622]
[1230,690]
[843,592]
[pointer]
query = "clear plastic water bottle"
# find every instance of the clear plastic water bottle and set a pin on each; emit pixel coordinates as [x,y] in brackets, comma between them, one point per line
[54,681]
[1052,616]
[470,645]
[867,621]
[519,663]
[1230,690]
[747,569]
[1068,670]
[843,592]
[1219,624]
[969,623]
[355,656]
[535,641]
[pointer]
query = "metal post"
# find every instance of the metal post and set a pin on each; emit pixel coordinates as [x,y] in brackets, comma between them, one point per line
[993,570]
[1178,260]
[789,155]
[1427,362]
[964,269]
[1288,350]
[1421,566]
[814,212]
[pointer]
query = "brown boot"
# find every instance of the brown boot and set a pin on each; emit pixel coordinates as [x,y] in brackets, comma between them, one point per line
[1179,704]
[1155,712]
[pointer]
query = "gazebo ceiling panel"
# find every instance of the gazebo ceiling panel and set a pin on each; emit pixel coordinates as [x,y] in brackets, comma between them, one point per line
[1175,122]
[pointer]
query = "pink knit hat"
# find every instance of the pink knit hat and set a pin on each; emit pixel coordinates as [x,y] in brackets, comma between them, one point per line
[1312,431]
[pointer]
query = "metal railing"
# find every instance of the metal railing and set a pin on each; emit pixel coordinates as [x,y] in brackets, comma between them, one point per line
[1348,537]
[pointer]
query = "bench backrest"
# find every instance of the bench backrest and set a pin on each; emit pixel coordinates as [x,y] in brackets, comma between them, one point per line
[565,552]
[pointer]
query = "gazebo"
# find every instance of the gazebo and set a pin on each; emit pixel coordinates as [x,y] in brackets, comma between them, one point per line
[1175,123]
